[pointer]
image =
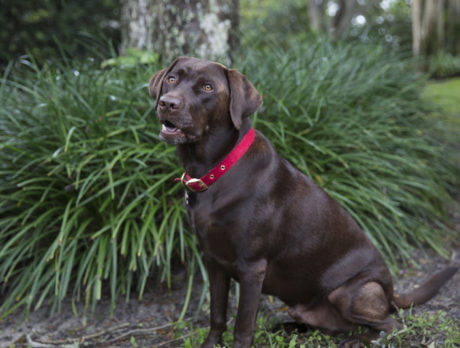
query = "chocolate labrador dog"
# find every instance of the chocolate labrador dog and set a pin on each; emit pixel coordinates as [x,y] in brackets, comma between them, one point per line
[262,222]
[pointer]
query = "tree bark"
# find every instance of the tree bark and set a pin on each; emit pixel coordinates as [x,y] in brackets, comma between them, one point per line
[315,15]
[440,22]
[205,28]
[453,27]
[416,26]
[427,26]
[342,18]
[429,39]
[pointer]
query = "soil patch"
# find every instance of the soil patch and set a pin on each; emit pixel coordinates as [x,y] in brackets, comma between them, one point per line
[149,322]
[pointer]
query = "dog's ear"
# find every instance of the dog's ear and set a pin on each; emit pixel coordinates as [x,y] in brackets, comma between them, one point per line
[156,82]
[244,97]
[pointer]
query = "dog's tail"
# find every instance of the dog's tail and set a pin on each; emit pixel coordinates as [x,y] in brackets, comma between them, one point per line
[425,291]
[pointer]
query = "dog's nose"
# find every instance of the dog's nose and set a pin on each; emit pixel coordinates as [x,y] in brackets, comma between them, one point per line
[169,103]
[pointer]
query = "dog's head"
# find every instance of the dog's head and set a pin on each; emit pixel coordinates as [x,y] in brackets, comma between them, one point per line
[193,96]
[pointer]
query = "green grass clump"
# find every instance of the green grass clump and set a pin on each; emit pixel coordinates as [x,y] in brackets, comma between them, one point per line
[86,187]
[431,330]
[352,118]
[446,94]
[87,197]
[443,64]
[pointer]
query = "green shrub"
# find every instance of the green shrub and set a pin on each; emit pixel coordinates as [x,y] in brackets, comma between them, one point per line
[86,187]
[438,330]
[36,27]
[87,196]
[351,117]
[442,65]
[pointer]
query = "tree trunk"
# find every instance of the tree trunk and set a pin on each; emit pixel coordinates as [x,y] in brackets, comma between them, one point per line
[427,26]
[205,28]
[416,26]
[440,22]
[429,40]
[453,27]
[342,18]
[315,15]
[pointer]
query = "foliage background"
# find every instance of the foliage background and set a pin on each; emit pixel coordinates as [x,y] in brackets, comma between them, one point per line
[88,205]
[44,28]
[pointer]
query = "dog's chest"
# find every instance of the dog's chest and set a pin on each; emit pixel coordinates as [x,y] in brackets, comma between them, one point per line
[200,211]
[216,236]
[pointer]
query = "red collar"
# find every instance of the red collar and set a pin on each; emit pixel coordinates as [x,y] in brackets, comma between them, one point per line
[202,184]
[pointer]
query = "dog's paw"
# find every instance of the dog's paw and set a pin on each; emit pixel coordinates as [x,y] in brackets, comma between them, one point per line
[353,342]
[213,340]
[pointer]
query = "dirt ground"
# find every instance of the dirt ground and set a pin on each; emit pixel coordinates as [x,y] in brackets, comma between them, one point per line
[148,323]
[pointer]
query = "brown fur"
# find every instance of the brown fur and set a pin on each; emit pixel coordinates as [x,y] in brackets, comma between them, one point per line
[264,223]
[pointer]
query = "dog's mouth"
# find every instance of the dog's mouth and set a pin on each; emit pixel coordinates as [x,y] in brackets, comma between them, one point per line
[170,128]
[171,133]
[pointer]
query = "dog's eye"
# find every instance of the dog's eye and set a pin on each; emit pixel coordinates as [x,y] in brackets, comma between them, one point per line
[207,87]
[171,79]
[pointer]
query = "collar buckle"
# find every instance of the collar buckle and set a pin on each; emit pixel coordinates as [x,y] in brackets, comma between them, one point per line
[193,184]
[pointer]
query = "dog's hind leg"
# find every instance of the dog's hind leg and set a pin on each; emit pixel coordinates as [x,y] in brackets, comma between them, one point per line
[323,316]
[364,304]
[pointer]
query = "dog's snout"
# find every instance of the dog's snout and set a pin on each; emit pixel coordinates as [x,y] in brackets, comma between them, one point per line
[169,103]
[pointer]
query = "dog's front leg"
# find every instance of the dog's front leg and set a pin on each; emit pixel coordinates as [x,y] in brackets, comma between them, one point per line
[251,280]
[219,285]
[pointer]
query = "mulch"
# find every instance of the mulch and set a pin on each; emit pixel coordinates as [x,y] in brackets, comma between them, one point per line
[150,322]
